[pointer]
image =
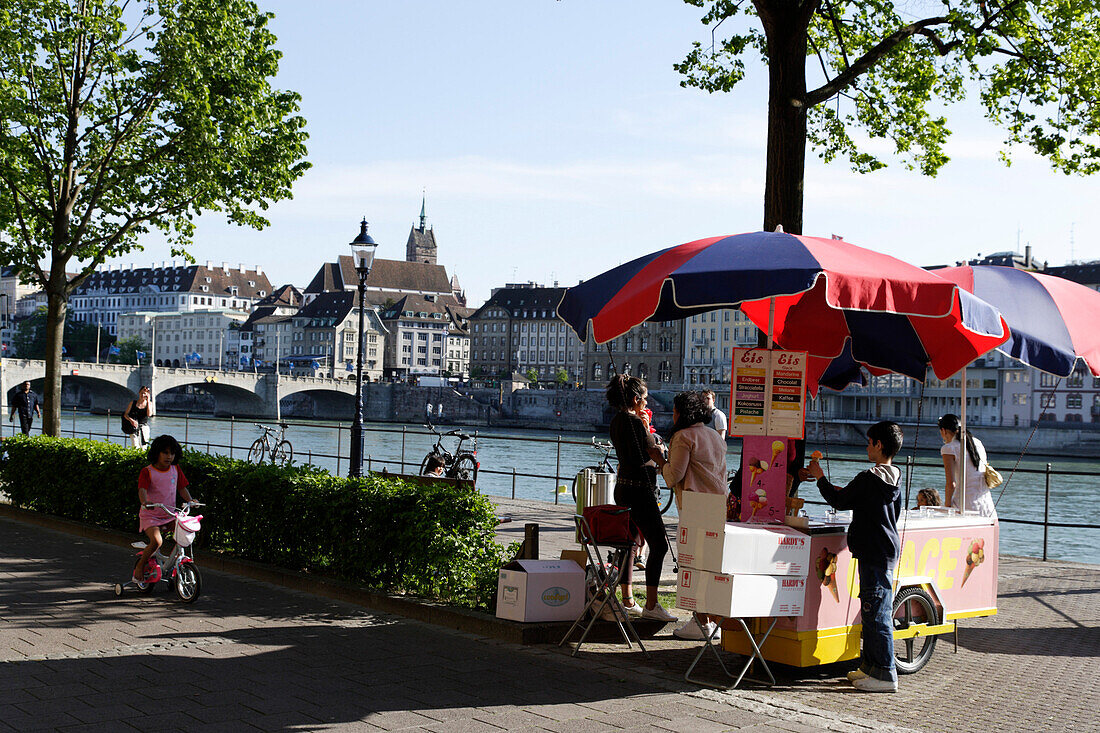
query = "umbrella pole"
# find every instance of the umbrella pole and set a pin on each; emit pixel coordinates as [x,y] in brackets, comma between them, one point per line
[771,321]
[961,481]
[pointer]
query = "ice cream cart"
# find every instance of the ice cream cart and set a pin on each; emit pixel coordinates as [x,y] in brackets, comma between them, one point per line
[947,572]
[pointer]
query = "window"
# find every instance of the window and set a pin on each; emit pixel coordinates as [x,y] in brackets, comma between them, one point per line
[1047,380]
[1073,401]
[597,371]
[1077,379]
[1047,400]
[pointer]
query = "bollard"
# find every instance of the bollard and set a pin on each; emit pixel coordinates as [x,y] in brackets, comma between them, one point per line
[530,550]
[1046,514]
[74,422]
[309,454]
[107,432]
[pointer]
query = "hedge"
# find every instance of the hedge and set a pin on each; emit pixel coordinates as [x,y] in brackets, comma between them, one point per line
[435,541]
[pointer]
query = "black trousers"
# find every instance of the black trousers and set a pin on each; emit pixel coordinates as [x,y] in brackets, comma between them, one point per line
[642,502]
[25,422]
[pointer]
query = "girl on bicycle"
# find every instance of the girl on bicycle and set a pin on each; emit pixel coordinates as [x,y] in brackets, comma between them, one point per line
[158,483]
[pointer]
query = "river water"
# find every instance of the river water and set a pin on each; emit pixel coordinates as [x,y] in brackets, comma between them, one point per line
[525,463]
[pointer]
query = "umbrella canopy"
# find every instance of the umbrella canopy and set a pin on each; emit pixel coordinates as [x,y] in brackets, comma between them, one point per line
[1053,320]
[845,305]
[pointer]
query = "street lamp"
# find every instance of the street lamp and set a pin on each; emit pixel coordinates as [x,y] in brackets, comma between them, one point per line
[364,247]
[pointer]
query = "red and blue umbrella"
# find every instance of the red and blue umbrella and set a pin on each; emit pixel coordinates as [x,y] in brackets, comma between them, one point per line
[848,306]
[1053,320]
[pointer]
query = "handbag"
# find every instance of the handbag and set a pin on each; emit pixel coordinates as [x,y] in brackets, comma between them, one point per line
[611,525]
[993,478]
[127,428]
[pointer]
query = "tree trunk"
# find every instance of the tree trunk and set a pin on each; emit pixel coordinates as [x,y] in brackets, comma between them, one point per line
[785,26]
[57,310]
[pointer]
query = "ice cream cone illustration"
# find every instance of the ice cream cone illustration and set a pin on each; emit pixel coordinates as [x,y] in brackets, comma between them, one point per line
[759,501]
[975,556]
[777,448]
[826,571]
[756,467]
[816,455]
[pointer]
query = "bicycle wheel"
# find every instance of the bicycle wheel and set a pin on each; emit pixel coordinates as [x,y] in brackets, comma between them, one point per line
[464,469]
[913,607]
[665,494]
[257,452]
[283,453]
[188,582]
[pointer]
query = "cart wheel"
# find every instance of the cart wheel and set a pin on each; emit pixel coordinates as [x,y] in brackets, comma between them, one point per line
[913,607]
[118,589]
[188,582]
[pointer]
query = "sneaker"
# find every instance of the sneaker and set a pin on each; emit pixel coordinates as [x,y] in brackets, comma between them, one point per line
[691,632]
[874,684]
[857,674]
[634,609]
[658,613]
[139,584]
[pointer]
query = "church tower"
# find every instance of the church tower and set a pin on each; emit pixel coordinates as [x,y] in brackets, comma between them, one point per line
[421,244]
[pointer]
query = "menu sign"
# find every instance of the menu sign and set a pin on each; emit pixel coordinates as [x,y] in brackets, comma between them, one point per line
[748,392]
[768,393]
[787,394]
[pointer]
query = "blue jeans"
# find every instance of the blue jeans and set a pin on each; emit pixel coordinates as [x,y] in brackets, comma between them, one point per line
[876,595]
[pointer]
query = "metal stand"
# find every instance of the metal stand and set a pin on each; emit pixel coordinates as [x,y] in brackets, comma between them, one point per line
[607,580]
[755,642]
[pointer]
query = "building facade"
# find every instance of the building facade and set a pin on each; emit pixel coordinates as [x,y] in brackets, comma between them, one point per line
[185,339]
[709,341]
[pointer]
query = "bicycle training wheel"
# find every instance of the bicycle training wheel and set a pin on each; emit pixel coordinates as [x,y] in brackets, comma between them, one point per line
[257,451]
[283,454]
[188,582]
[913,607]
[464,469]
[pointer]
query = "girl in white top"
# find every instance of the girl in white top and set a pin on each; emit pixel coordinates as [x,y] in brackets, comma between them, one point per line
[978,497]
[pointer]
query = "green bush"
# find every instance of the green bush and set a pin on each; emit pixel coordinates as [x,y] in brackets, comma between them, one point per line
[434,541]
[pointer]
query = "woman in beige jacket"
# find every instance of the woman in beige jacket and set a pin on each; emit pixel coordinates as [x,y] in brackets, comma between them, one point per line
[696,462]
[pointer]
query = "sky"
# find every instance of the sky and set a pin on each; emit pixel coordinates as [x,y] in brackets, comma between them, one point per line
[552,141]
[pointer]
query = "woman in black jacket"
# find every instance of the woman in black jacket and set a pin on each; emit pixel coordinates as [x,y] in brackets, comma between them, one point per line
[636,487]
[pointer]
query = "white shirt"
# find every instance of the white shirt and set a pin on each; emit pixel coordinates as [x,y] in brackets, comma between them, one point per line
[978,497]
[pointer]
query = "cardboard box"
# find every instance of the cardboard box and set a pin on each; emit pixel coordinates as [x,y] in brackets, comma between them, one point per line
[578,556]
[740,596]
[540,590]
[703,511]
[751,549]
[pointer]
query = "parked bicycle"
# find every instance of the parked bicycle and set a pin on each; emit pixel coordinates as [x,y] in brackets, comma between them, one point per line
[178,566]
[664,493]
[461,464]
[272,443]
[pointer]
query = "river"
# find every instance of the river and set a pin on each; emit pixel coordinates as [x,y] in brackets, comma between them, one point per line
[535,457]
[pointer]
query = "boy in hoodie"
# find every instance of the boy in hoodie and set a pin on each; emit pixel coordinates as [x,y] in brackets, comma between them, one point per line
[875,500]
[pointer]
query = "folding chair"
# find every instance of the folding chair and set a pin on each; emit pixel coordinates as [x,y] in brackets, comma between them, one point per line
[618,542]
[755,641]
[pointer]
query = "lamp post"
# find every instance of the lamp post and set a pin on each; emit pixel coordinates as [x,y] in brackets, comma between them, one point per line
[364,247]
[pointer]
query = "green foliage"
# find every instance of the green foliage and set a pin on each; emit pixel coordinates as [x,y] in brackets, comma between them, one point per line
[888,69]
[434,540]
[532,375]
[29,338]
[122,117]
[562,376]
[128,348]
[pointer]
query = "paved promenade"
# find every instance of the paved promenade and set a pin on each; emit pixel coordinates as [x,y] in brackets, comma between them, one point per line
[252,656]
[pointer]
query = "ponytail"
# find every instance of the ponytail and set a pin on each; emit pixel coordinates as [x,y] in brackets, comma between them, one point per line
[951,424]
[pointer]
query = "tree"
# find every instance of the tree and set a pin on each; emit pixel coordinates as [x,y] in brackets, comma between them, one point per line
[532,375]
[120,117]
[1032,61]
[128,348]
[561,376]
[79,340]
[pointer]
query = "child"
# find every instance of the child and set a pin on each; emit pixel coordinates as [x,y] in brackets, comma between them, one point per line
[434,466]
[928,497]
[158,483]
[875,500]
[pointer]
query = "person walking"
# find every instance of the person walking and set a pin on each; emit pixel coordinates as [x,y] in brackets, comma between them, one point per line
[26,403]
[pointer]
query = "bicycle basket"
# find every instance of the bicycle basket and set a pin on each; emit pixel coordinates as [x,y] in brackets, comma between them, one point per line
[185,530]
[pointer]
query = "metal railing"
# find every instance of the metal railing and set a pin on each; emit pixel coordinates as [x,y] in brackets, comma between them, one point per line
[232,450]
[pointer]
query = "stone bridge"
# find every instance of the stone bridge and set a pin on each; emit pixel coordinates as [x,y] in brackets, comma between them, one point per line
[112,386]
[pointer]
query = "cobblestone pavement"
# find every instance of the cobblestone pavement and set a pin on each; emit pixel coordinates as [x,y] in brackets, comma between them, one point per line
[248,655]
